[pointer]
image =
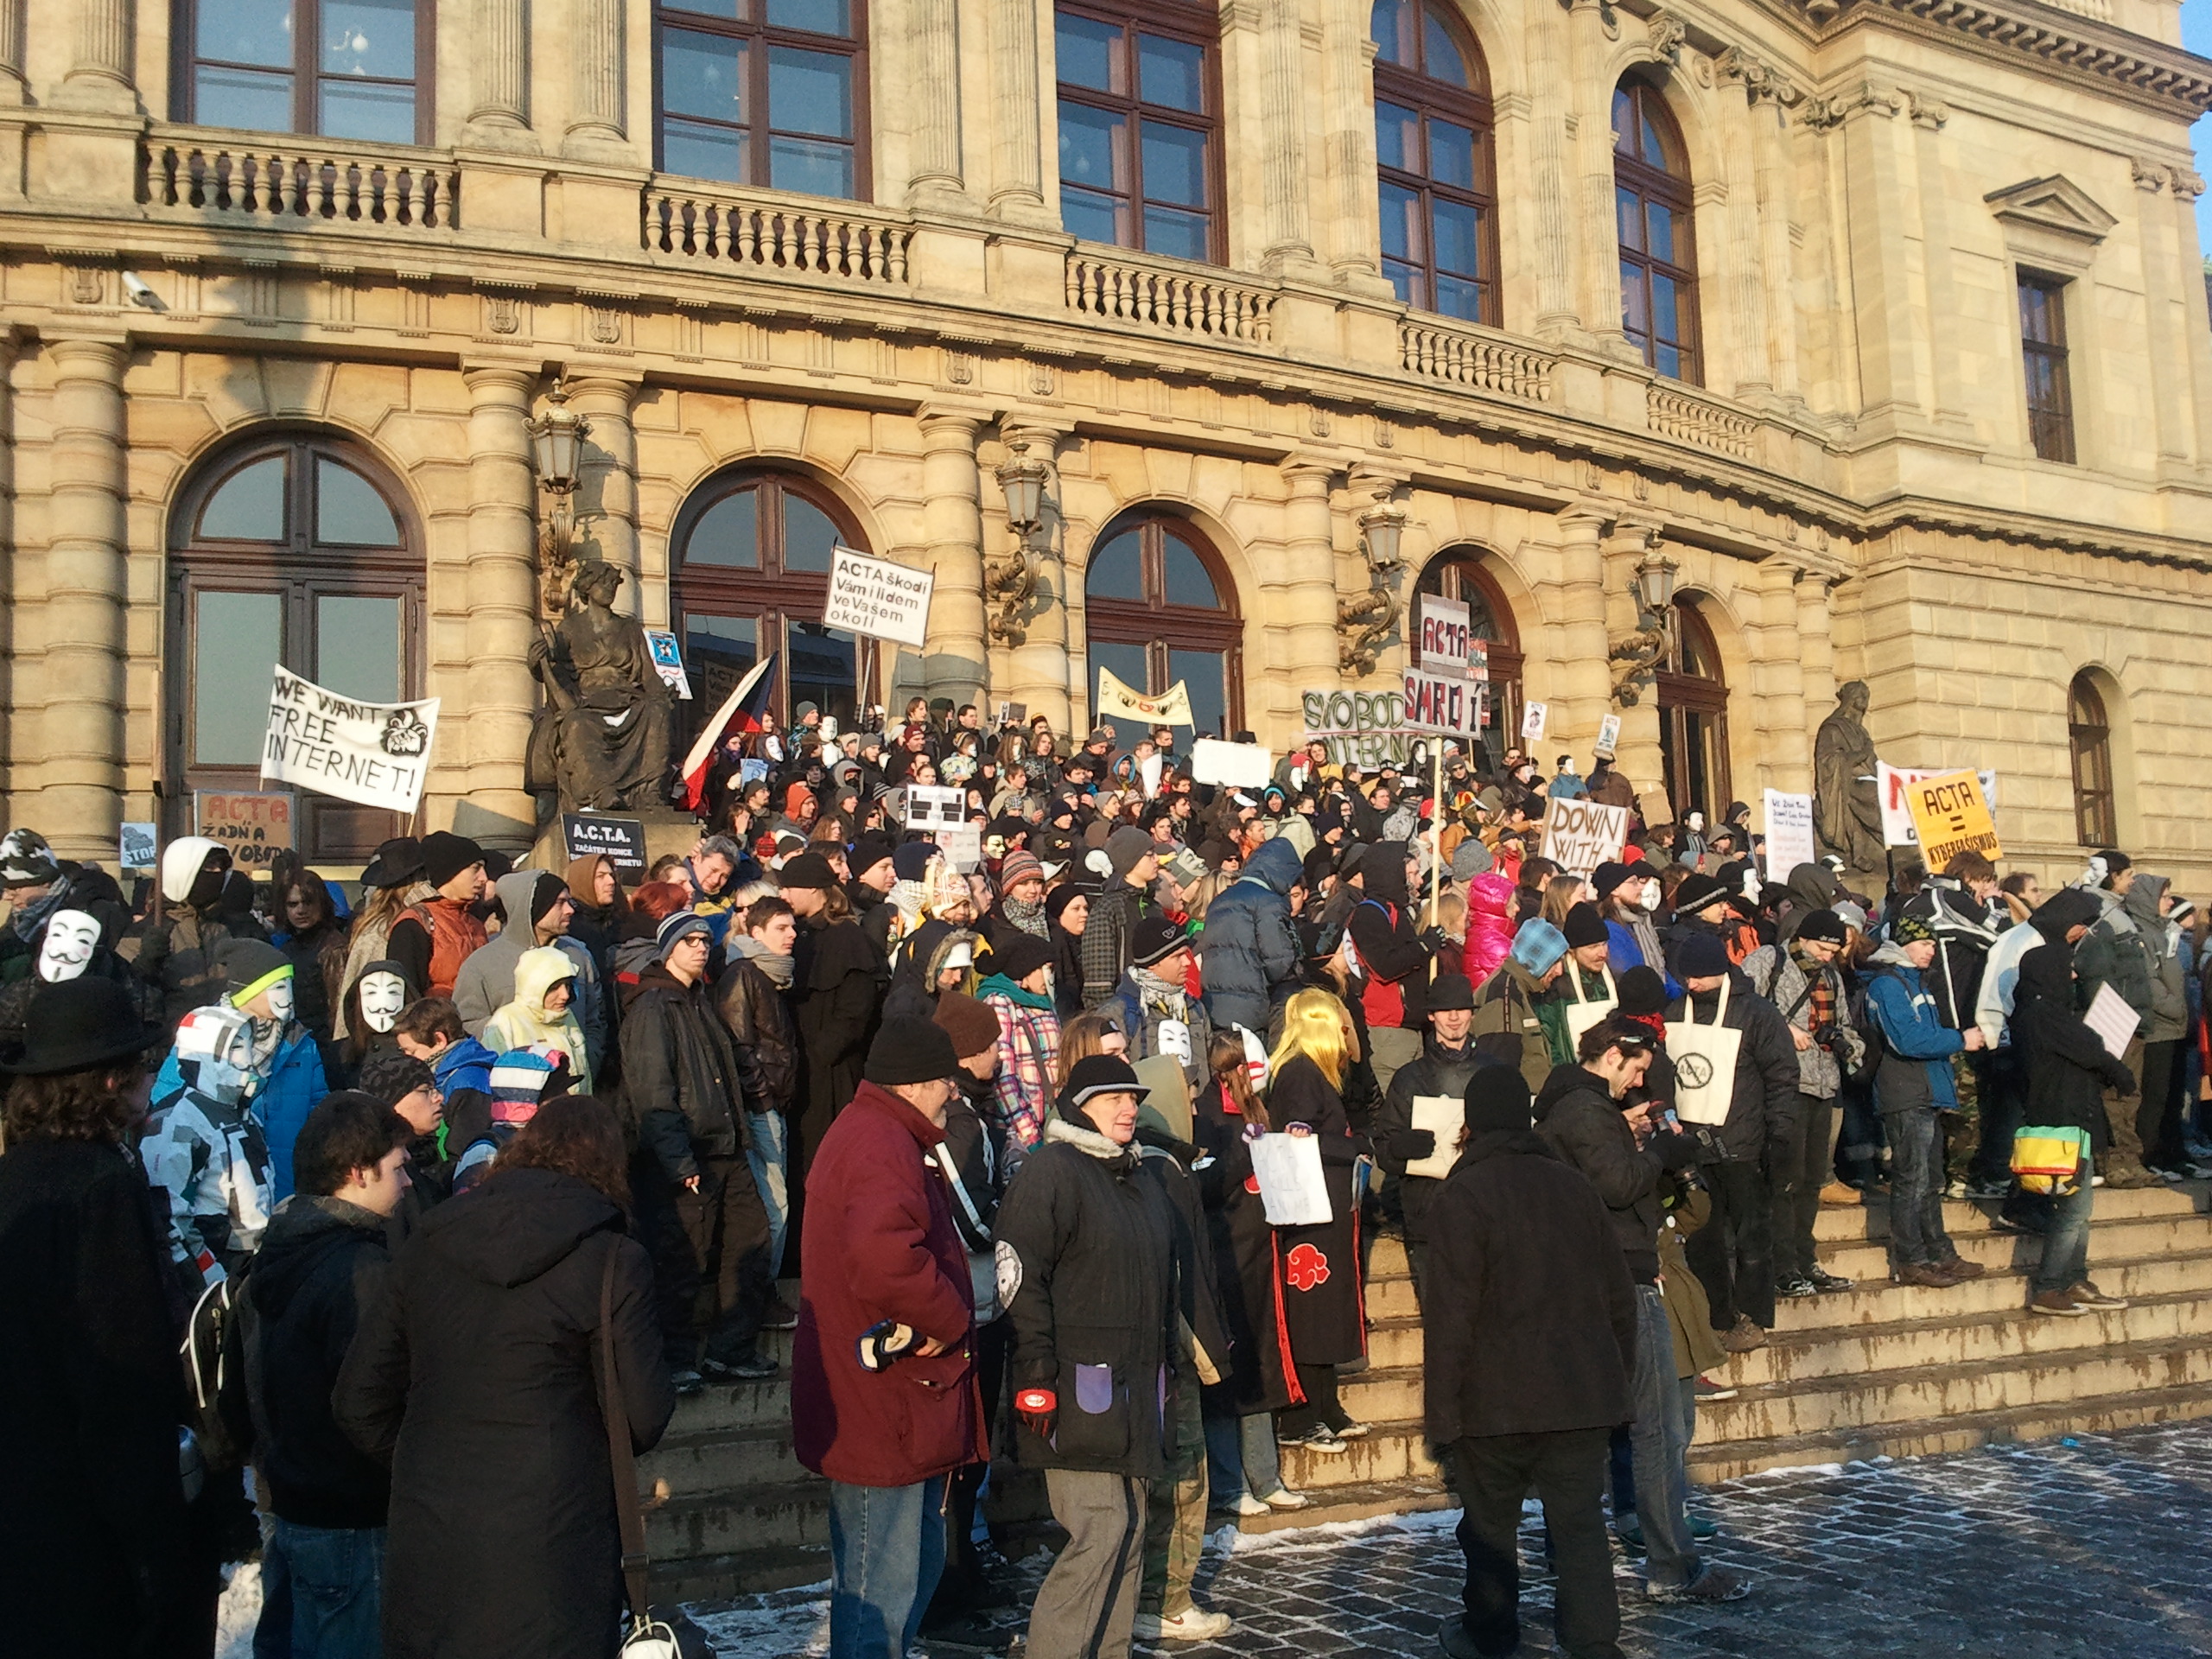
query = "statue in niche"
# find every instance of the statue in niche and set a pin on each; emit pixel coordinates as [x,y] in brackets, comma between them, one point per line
[1847,810]
[602,740]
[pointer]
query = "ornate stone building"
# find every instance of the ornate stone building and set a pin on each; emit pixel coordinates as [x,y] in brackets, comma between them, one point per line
[1874,327]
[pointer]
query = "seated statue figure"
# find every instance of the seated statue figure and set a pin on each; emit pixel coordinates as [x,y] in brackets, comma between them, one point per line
[601,739]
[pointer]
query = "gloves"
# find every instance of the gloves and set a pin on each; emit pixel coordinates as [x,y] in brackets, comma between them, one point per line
[1433,940]
[1407,1145]
[2120,1078]
[1038,1409]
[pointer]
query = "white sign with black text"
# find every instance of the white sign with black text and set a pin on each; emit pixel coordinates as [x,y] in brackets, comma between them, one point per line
[877,598]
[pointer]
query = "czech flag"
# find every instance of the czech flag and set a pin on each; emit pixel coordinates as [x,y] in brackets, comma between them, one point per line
[740,712]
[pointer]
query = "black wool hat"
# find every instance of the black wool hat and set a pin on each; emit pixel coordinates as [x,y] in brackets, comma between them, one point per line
[912,862]
[398,862]
[1096,1074]
[390,1075]
[868,852]
[908,1050]
[1700,891]
[1449,991]
[1642,991]
[446,856]
[1153,939]
[1824,925]
[1497,1098]
[809,870]
[1608,876]
[249,966]
[544,894]
[1584,926]
[1018,955]
[1700,955]
[77,1025]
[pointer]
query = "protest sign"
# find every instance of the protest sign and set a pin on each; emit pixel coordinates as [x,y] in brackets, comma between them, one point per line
[137,847]
[1240,765]
[877,598]
[1951,817]
[1118,702]
[962,845]
[1443,635]
[1788,833]
[930,807]
[1361,729]
[370,753]
[251,826]
[1013,714]
[1438,703]
[1580,836]
[1609,735]
[667,662]
[1891,784]
[623,839]
[1532,723]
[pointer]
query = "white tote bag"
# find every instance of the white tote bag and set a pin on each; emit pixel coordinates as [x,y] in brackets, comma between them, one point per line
[1581,1015]
[1705,1062]
[1291,1189]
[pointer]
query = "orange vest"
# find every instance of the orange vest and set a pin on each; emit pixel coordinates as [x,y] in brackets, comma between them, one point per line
[454,932]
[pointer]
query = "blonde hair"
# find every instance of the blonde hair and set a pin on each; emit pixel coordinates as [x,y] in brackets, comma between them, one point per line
[1203,895]
[1080,1038]
[1452,915]
[1317,1026]
[1561,894]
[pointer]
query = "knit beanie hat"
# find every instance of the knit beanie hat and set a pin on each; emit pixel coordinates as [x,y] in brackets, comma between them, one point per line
[1911,930]
[389,1076]
[1316,867]
[446,856]
[912,862]
[1642,991]
[1496,1098]
[1124,848]
[911,1050]
[868,852]
[1824,925]
[809,870]
[1093,1075]
[1019,865]
[27,860]
[1537,946]
[1018,954]
[1607,876]
[676,925]
[544,894]
[520,1078]
[1057,900]
[1154,938]
[251,966]
[1585,926]
[1699,891]
[972,1027]
[1700,955]
[1471,859]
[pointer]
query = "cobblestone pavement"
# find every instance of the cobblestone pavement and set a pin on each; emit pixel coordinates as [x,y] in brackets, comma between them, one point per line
[2100,1546]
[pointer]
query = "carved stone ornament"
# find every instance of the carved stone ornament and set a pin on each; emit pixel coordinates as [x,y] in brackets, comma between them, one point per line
[502,315]
[1760,79]
[1669,32]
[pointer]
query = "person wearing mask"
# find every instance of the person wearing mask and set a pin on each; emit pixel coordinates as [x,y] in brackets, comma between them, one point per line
[1448,1063]
[1152,1006]
[1912,1084]
[204,1151]
[540,912]
[1019,994]
[179,952]
[1248,954]
[434,936]
[1597,1118]
[1530,1334]
[1733,1255]
[836,982]
[474,1379]
[322,1262]
[543,1009]
[1134,865]
[1508,1023]
[1800,978]
[750,998]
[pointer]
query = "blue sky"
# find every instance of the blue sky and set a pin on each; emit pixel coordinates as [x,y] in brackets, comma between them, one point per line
[2197,35]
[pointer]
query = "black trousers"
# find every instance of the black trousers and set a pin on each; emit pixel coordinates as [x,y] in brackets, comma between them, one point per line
[1793,1188]
[1319,1384]
[2157,1113]
[1567,1470]
[710,1259]
[963,1586]
[2004,1110]
[1733,1255]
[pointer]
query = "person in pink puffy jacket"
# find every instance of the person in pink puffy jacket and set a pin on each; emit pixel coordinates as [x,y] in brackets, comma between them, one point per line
[1489,923]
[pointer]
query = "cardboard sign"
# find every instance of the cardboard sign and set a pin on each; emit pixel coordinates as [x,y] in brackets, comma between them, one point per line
[1240,765]
[370,753]
[667,662]
[1532,723]
[1891,784]
[1789,834]
[1609,735]
[137,848]
[1582,835]
[1364,730]
[1436,703]
[252,826]
[930,806]
[1443,636]
[623,839]
[962,845]
[1952,817]
[877,598]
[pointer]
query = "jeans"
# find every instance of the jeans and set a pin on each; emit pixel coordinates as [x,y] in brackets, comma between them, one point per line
[1733,1254]
[322,1596]
[770,1156]
[886,1547]
[2004,1108]
[1567,1468]
[1241,1457]
[1917,1235]
[1661,1476]
[2066,1245]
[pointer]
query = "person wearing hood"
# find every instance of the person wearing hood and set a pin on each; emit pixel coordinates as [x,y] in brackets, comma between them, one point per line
[2066,1067]
[1020,994]
[321,1264]
[543,1009]
[1394,957]
[698,1203]
[1530,1334]
[539,910]
[1509,1022]
[1810,887]
[836,987]
[205,1150]
[178,951]
[1913,1085]
[1248,954]
[750,997]
[1133,862]
[68,946]
[474,1380]
[1153,1007]
[2150,905]
[1490,912]
[939,956]
[434,936]
[1448,1063]
[595,887]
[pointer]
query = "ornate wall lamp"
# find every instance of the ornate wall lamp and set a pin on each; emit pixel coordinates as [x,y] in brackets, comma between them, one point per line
[556,442]
[1368,617]
[1637,657]
[1010,579]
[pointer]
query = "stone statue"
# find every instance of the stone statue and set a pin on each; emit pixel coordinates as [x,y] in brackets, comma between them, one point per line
[601,739]
[1847,810]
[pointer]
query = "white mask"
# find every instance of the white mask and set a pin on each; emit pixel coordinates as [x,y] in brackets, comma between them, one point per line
[1648,895]
[280,1002]
[383,995]
[68,946]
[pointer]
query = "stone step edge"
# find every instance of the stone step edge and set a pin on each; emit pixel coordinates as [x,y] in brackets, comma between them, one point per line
[1822,1336]
[1913,1375]
[753,1572]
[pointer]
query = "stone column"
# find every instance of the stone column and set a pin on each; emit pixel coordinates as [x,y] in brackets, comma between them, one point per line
[597,108]
[1017,135]
[952,527]
[607,487]
[1282,123]
[87,603]
[1739,217]
[502,602]
[1778,199]
[1348,156]
[1785,757]
[1037,668]
[933,61]
[14,89]
[1638,753]
[99,65]
[1307,612]
[1550,96]
[500,73]
[1583,682]
[2195,371]
[1592,95]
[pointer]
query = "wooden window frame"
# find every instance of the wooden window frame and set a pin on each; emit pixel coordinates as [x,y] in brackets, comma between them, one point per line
[759,37]
[306,77]
[1649,184]
[1160,628]
[1172,21]
[2050,423]
[1678,692]
[1427,96]
[2096,812]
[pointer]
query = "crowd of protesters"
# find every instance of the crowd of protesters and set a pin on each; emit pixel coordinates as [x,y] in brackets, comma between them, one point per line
[430,1177]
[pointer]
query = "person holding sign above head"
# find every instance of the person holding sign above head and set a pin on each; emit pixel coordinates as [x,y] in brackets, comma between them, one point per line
[1408,1143]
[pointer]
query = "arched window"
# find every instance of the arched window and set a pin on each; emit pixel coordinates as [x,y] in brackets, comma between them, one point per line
[752,555]
[1139,120]
[1159,607]
[2089,732]
[1651,192]
[1693,698]
[764,92]
[1433,150]
[292,549]
[342,68]
[1457,573]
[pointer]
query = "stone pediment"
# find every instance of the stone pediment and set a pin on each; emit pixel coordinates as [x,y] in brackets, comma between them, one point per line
[2055,204]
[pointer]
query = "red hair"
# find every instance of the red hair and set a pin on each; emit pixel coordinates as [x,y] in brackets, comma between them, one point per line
[661,900]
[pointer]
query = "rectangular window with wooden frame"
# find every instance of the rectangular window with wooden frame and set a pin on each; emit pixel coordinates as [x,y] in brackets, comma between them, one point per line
[1139,125]
[355,69]
[2043,352]
[770,92]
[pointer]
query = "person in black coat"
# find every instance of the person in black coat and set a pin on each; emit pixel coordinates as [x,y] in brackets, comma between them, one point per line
[1530,1332]
[1447,1063]
[1394,954]
[836,982]
[94,1536]
[473,1378]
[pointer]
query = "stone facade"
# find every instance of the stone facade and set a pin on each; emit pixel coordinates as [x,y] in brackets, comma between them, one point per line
[1853,491]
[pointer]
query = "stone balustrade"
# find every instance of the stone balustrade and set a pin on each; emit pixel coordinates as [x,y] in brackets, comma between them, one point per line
[267,176]
[1464,358]
[1156,296]
[767,231]
[1703,421]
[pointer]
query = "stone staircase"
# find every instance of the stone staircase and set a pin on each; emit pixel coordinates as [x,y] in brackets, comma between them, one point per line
[1878,1370]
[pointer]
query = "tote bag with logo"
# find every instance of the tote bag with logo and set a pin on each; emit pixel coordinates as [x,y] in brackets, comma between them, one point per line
[1705,1062]
[1581,1015]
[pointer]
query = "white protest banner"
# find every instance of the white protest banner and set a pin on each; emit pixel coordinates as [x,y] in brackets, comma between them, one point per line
[1892,783]
[1532,723]
[1789,834]
[1609,733]
[370,753]
[962,845]
[667,662]
[1118,702]
[1444,633]
[930,806]
[1580,836]
[877,598]
[1240,765]
[1436,703]
[1293,1191]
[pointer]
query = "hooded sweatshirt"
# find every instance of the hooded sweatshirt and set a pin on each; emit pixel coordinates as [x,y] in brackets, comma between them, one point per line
[486,981]
[1392,958]
[1812,886]
[2169,1016]
[179,952]
[525,1020]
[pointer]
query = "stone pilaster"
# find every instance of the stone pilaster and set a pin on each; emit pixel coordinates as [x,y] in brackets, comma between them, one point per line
[2169,352]
[933,59]
[1017,135]
[1815,650]
[606,492]
[1777,185]
[14,89]
[502,606]
[79,803]
[1308,610]
[598,110]
[2196,326]
[1785,748]
[1282,125]
[1582,686]
[1550,197]
[1596,216]
[1037,668]
[498,112]
[955,653]
[1748,373]
[1348,141]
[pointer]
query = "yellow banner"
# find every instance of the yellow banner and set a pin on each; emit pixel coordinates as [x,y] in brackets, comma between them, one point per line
[1116,702]
[1950,817]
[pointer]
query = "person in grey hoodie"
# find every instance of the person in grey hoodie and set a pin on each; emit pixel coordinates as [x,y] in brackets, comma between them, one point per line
[2117,952]
[2157,1117]
[538,906]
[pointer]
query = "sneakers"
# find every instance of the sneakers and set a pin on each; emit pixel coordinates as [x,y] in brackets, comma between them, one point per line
[1351,1430]
[2173,1177]
[780,1316]
[1743,1337]
[1923,1275]
[685,1381]
[746,1368]
[1193,1623]
[1794,1289]
[1701,1528]
[1319,1438]
[1245,1504]
[1716,1583]
[2086,1294]
[1828,1283]
[1988,1189]
[1960,1268]
[1707,1390]
[1283,1499]
[1841,1192]
[2057,1305]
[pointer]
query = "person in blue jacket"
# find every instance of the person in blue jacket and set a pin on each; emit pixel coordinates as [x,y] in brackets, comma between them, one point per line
[1912,1085]
[1248,956]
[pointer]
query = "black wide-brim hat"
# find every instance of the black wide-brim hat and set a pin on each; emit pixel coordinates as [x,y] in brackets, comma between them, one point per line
[79,1025]
[398,862]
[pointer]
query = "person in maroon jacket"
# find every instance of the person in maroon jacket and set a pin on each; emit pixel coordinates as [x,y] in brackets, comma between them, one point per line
[884,1399]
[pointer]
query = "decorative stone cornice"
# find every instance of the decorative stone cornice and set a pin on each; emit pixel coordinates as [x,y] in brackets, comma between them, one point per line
[1760,79]
[1871,97]
[2054,204]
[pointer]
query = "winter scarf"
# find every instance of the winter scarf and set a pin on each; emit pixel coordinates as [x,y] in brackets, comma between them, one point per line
[779,969]
[1030,918]
[1156,992]
[29,918]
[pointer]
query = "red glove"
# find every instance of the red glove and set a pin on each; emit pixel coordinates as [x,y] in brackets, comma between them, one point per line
[1038,1409]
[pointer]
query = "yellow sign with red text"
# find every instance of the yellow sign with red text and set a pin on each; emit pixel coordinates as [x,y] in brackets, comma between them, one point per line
[1951,817]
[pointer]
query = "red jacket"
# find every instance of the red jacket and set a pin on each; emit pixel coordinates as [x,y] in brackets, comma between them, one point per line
[879,1244]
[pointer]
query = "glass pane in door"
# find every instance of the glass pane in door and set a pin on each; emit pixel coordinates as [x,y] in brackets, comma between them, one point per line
[236,641]
[358,649]
[1206,674]
[822,669]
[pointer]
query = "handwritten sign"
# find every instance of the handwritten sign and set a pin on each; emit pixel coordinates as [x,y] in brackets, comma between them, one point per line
[370,753]
[1444,634]
[252,826]
[1532,723]
[1364,730]
[1789,834]
[1580,836]
[877,598]
[1438,703]
[1951,817]
[589,834]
